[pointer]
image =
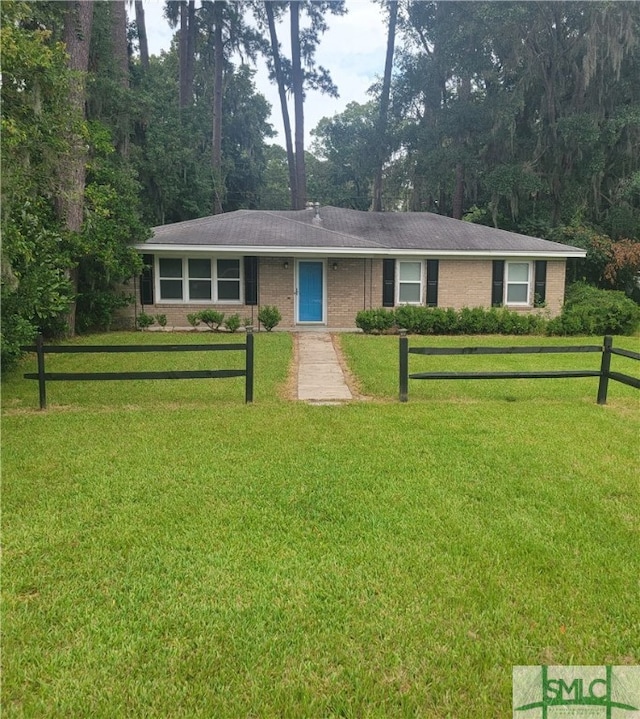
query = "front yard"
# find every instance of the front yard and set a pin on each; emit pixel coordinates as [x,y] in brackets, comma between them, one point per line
[172,552]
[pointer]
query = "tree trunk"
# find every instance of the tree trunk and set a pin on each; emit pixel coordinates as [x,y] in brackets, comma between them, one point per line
[191,51]
[298,100]
[216,153]
[121,55]
[182,54]
[376,205]
[275,50]
[142,35]
[77,37]
[458,193]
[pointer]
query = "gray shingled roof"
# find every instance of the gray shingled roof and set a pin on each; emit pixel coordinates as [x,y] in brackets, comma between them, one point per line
[344,229]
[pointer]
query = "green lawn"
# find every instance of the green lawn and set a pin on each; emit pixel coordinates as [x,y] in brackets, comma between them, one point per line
[172,552]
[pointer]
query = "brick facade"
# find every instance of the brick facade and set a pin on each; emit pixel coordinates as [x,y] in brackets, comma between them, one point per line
[356,284]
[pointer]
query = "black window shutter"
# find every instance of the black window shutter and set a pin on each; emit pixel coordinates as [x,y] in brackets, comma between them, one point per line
[497,284]
[432,283]
[540,287]
[388,282]
[250,280]
[146,281]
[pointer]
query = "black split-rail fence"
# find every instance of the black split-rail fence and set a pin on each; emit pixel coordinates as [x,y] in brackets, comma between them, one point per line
[604,373]
[43,376]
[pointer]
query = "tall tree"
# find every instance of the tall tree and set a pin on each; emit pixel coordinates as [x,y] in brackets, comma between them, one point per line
[141,29]
[299,74]
[218,68]
[298,104]
[383,117]
[278,72]
[77,36]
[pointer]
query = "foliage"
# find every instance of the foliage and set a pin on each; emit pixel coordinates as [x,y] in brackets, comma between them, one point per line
[375,321]
[97,308]
[212,318]
[171,146]
[589,310]
[530,145]
[144,320]
[609,264]
[447,321]
[193,319]
[42,261]
[269,316]
[35,251]
[233,322]
[161,320]
[345,149]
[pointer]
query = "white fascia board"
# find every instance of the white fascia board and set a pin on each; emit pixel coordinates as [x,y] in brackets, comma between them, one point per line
[275,251]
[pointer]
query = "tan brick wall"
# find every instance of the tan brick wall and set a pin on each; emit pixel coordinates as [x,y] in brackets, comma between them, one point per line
[356,284]
[467,283]
[556,271]
[464,283]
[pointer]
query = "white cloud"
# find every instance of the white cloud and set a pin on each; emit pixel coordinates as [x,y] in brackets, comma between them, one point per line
[353,50]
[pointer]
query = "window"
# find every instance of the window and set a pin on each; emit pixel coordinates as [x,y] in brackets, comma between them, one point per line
[198,279]
[517,283]
[228,280]
[170,273]
[410,283]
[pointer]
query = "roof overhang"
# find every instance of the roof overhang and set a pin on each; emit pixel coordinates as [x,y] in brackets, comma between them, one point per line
[284,251]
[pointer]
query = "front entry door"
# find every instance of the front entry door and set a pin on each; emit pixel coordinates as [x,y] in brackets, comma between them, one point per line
[310,291]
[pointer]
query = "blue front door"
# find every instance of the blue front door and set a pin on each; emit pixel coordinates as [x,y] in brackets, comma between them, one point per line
[310,299]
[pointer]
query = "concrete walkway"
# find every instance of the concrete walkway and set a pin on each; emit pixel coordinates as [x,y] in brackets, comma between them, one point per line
[320,377]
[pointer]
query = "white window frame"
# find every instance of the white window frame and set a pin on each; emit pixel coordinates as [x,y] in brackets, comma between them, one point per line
[186,298]
[412,260]
[529,265]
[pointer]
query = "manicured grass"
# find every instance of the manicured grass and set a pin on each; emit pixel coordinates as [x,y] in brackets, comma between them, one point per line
[188,558]
[374,359]
[272,355]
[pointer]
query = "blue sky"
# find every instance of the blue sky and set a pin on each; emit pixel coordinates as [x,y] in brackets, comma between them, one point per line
[353,50]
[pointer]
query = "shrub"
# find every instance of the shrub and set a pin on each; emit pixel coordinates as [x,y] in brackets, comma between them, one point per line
[445,322]
[441,321]
[212,318]
[233,323]
[375,321]
[144,320]
[409,317]
[16,331]
[591,311]
[269,316]
[472,321]
[193,319]
[161,320]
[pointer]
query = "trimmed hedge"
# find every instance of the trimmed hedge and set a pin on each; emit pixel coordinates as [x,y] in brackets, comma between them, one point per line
[591,311]
[587,311]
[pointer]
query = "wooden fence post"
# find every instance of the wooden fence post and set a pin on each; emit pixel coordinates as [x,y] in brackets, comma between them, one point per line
[404,365]
[41,381]
[248,394]
[605,366]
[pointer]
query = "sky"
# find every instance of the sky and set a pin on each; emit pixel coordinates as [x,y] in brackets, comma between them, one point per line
[353,50]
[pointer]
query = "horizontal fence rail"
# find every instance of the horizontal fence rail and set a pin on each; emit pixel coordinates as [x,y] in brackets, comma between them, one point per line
[604,373]
[43,377]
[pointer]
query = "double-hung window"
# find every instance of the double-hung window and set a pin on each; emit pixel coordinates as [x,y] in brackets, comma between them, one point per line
[198,279]
[409,282]
[228,273]
[170,274]
[518,283]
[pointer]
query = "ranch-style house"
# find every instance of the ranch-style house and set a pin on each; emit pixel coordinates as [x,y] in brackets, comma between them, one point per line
[322,265]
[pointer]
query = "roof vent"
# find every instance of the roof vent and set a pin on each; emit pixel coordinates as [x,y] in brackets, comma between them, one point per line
[317,220]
